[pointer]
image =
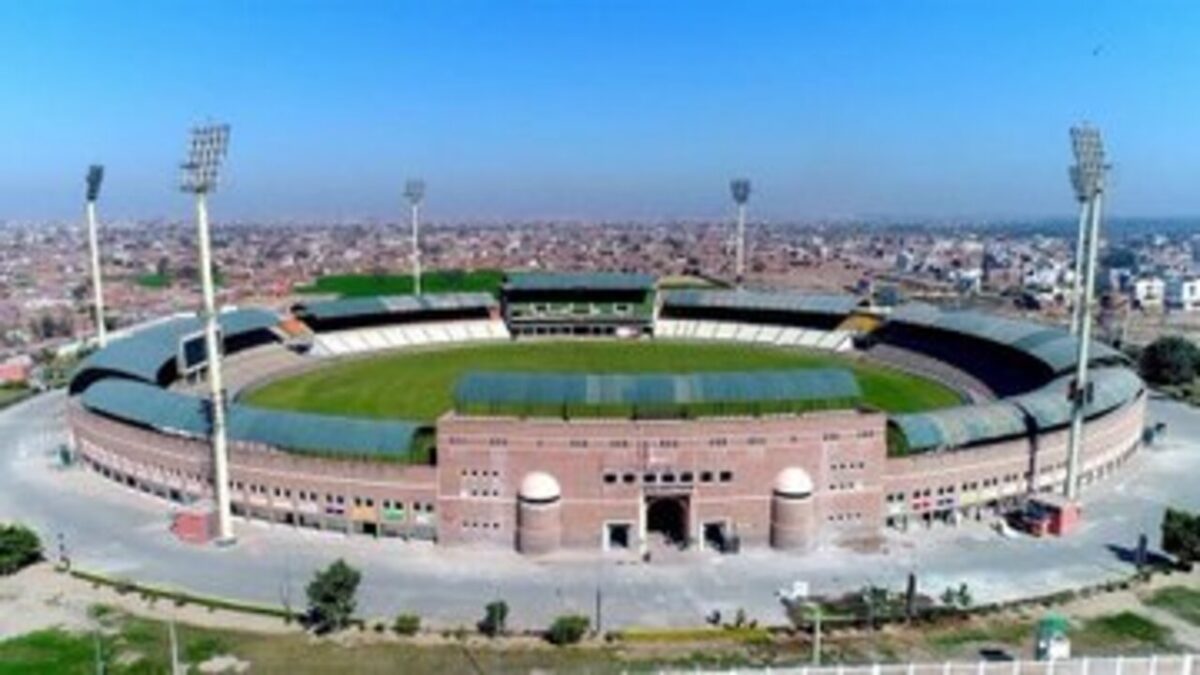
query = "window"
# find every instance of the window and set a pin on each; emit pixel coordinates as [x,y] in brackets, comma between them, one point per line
[668,478]
[610,478]
[628,478]
[706,476]
[685,477]
[649,478]
[726,476]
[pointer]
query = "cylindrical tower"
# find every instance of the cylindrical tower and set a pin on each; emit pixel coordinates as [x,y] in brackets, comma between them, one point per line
[539,514]
[793,517]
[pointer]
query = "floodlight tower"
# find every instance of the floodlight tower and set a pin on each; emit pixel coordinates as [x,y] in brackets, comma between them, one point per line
[1081,244]
[414,191]
[740,189]
[207,150]
[1087,177]
[95,176]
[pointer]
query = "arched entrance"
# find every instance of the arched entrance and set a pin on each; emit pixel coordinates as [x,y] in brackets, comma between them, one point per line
[667,518]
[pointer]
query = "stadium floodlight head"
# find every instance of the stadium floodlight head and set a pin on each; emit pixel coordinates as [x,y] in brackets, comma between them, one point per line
[1087,176]
[95,176]
[414,190]
[205,154]
[740,188]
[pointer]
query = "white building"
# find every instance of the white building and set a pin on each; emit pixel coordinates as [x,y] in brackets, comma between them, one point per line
[1184,294]
[1149,292]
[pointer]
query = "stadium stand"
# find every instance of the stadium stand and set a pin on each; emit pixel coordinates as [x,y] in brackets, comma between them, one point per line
[754,392]
[593,303]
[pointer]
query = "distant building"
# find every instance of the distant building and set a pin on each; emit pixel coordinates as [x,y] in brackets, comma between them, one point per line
[1183,294]
[16,370]
[1148,292]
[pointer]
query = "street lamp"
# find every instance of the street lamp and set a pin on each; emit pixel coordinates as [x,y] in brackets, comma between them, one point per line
[740,189]
[1087,179]
[205,154]
[414,191]
[95,176]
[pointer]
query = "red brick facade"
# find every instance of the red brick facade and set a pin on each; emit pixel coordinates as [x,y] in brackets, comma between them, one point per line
[721,472]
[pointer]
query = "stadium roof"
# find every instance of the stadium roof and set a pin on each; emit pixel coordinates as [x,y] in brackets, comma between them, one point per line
[1040,410]
[579,281]
[142,354]
[394,304]
[762,301]
[1049,407]
[1054,347]
[184,414]
[483,390]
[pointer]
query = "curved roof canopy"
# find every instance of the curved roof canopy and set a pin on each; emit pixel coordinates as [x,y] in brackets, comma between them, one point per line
[142,354]
[186,415]
[1054,347]
[1037,411]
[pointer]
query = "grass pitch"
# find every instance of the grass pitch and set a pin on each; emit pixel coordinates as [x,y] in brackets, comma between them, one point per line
[419,385]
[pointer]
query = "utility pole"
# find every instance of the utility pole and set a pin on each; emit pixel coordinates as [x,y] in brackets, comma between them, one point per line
[95,176]
[414,191]
[740,189]
[207,150]
[1087,178]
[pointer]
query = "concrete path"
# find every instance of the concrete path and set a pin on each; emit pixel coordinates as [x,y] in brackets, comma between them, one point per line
[110,529]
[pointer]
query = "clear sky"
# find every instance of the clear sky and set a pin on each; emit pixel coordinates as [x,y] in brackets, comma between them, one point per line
[609,109]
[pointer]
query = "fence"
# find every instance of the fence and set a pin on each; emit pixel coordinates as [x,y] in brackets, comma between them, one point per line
[1173,664]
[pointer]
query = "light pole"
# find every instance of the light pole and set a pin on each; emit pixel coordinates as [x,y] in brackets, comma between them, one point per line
[1087,176]
[207,150]
[1080,248]
[740,189]
[414,191]
[95,176]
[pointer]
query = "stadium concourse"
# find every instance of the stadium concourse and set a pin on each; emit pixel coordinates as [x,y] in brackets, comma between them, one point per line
[793,460]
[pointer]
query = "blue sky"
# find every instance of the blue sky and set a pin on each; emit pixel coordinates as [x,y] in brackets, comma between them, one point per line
[601,109]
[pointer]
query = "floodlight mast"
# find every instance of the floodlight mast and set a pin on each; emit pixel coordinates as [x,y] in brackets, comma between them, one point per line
[414,191]
[95,176]
[206,151]
[1081,243]
[740,189]
[1088,180]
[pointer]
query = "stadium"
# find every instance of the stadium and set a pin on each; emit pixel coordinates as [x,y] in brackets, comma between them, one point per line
[604,412]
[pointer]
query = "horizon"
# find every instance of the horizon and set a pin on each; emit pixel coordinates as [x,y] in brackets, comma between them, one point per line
[601,112]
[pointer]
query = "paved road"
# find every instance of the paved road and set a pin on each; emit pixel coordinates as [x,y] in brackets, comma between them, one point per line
[110,529]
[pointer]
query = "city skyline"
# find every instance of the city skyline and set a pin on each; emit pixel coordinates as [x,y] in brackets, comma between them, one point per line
[606,111]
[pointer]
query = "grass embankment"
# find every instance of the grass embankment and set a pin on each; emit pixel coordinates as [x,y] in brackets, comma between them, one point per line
[419,385]
[12,395]
[1181,601]
[437,281]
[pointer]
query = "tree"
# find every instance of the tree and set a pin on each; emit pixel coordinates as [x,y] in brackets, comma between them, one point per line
[568,629]
[495,615]
[1181,535]
[331,597]
[19,548]
[957,598]
[407,624]
[1170,360]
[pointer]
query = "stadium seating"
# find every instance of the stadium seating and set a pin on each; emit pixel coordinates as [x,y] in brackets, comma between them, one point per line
[366,340]
[736,331]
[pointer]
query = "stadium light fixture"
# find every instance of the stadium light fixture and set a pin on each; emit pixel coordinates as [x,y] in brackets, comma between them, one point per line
[95,176]
[206,152]
[1087,179]
[414,192]
[739,188]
